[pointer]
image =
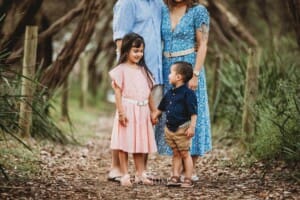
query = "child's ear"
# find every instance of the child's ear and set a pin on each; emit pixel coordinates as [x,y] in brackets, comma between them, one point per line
[179,77]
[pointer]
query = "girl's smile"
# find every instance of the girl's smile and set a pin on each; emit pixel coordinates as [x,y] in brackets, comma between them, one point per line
[136,54]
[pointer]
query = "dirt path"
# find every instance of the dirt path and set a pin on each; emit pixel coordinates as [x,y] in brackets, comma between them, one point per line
[79,172]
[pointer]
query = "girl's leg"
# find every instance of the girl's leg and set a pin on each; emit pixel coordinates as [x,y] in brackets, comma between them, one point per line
[125,180]
[139,161]
[115,170]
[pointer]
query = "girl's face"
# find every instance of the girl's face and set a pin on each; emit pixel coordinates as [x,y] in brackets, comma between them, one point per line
[135,54]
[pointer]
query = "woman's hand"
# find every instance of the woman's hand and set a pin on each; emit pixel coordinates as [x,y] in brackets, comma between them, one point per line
[123,119]
[193,83]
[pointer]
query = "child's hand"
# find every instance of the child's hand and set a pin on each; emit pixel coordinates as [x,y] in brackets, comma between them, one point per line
[190,132]
[123,119]
[154,118]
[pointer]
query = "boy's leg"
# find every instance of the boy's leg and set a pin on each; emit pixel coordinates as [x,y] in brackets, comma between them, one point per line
[176,163]
[188,163]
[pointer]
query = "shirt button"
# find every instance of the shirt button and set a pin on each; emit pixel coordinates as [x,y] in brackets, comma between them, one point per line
[174,94]
[170,102]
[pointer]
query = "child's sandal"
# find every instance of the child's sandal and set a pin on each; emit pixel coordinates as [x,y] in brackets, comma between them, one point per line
[125,180]
[174,181]
[143,180]
[187,183]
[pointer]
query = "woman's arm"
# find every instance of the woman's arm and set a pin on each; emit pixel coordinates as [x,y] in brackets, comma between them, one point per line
[202,39]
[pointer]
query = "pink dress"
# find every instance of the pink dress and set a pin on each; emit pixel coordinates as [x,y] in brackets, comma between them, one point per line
[138,136]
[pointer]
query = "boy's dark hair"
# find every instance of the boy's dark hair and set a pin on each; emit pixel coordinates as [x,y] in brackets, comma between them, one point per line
[185,69]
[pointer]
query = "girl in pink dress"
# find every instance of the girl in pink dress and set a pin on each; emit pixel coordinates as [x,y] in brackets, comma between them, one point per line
[132,129]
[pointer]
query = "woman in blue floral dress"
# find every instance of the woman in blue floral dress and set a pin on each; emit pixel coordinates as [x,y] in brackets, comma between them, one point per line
[185,28]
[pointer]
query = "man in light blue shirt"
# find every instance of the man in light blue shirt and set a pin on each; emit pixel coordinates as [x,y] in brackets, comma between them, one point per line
[144,18]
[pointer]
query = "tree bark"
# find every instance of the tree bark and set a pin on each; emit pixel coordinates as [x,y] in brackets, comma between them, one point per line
[294,10]
[232,28]
[52,30]
[18,15]
[68,56]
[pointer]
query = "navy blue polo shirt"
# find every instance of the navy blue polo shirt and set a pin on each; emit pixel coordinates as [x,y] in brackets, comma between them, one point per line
[179,104]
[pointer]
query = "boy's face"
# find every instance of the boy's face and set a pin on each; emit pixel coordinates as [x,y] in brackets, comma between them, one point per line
[174,77]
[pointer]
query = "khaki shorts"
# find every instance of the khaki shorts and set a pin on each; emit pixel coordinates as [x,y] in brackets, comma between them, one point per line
[178,140]
[157,94]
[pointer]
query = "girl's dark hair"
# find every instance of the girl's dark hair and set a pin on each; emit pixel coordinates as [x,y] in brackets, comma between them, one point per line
[134,40]
[189,3]
[185,69]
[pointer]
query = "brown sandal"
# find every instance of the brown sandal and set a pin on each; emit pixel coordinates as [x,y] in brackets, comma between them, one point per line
[174,181]
[187,183]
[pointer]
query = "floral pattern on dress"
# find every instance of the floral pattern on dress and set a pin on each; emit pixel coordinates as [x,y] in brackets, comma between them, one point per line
[183,37]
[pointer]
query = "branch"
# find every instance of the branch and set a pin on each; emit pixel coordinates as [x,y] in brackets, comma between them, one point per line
[52,30]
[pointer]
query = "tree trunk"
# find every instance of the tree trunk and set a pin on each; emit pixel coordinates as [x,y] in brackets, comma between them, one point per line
[83,62]
[18,15]
[29,62]
[232,28]
[68,56]
[294,9]
[251,92]
[50,31]
[65,101]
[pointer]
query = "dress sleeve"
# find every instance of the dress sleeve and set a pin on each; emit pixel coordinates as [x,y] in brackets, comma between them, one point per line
[201,17]
[123,19]
[117,77]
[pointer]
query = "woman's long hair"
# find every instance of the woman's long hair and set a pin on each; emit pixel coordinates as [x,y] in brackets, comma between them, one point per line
[135,40]
[189,3]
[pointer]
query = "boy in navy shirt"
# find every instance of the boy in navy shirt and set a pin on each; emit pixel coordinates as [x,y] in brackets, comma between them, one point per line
[180,106]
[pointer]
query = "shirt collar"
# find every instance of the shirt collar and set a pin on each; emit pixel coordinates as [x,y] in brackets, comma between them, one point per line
[182,87]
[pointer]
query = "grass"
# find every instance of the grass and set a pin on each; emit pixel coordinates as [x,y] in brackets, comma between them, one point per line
[19,162]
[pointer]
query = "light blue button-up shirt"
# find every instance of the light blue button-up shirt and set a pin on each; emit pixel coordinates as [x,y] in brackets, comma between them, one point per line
[144,18]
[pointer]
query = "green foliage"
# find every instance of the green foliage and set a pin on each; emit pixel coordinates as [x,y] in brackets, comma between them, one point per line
[43,126]
[277,110]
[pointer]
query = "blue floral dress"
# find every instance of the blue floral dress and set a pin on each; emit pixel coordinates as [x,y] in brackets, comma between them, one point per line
[183,37]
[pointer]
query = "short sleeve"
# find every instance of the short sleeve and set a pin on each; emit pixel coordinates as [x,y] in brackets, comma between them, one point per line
[117,76]
[191,102]
[201,17]
[123,19]
[162,104]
